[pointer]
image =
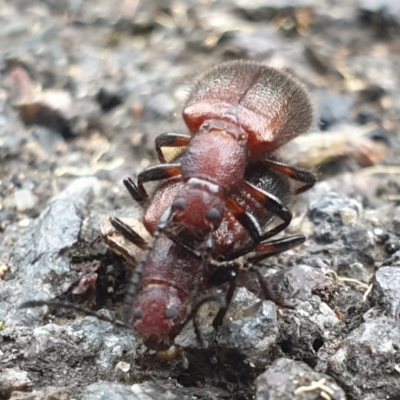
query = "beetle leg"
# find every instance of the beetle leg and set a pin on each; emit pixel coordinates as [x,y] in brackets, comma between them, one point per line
[128,233]
[246,219]
[267,249]
[193,314]
[268,291]
[217,321]
[180,242]
[170,140]
[157,173]
[294,173]
[154,173]
[274,247]
[273,205]
[138,194]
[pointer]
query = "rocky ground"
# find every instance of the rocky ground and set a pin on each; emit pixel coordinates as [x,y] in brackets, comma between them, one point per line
[85,88]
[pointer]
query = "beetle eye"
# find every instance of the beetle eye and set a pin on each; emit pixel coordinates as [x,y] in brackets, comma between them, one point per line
[138,313]
[179,204]
[171,312]
[213,215]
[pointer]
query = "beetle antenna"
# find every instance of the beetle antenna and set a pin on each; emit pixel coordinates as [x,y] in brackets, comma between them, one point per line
[76,307]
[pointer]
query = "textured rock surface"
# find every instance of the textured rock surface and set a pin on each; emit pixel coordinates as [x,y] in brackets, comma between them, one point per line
[288,379]
[85,88]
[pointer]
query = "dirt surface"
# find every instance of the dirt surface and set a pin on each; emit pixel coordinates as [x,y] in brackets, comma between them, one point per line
[85,88]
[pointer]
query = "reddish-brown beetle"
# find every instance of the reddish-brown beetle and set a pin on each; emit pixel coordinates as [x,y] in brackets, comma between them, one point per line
[222,190]
[220,193]
[164,288]
[238,113]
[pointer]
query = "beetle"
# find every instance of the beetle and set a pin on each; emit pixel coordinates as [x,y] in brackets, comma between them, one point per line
[166,294]
[163,292]
[238,113]
[217,199]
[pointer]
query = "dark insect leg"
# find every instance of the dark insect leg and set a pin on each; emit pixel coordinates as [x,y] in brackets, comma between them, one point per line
[170,140]
[138,194]
[193,314]
[274,247]
[158,172]
[128,233]
[295,173]
[217,274]
[208,245]
[269,249]
[227,272]
[96,240]
[217,322]
[268,291]
[154,173]
[76,307]
[136,277]
[273,205]
[177,240]
[246,219]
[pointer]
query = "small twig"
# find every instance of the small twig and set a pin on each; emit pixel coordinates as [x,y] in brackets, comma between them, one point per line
[3,270]
[380,169]
[367,293]
[326,392]
[325,396]
[393,197]
[344,279]
[95,164]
